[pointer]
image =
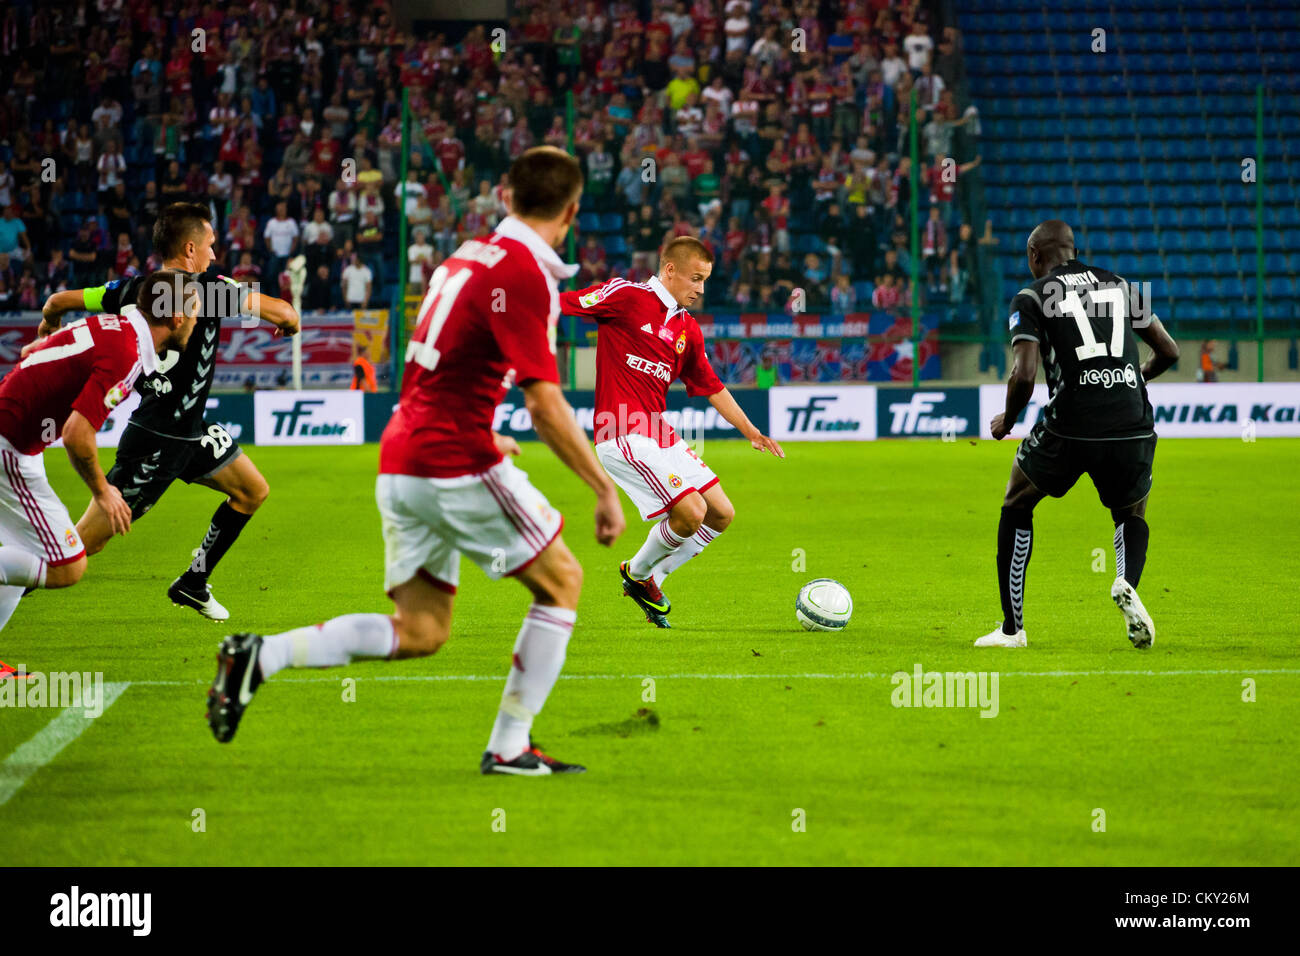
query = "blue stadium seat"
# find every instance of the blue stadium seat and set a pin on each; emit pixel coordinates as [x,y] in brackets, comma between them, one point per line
[1278,287]
[1166,216]
[1114,195]
[1216,217]
[1231,287]
[1144,242]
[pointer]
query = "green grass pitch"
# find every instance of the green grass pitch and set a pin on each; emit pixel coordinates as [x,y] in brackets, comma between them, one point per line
[752,721]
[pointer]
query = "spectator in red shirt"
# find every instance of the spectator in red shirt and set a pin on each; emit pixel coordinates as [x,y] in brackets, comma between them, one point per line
[735,242]
[886,295]
[942,179]
[694,158]
[778,209]
[178,71]
[592,265]
[325,156]
[820,98]
[451,154]
[934,249]
[247,270]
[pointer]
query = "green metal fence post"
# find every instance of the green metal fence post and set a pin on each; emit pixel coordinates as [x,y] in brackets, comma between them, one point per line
[397,317]
[916,248]
[1259,232]
[573,249]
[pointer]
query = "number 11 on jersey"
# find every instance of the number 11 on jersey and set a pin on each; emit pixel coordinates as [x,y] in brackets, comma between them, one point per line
[440,297]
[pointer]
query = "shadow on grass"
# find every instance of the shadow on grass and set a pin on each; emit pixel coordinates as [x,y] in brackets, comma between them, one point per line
[644,721]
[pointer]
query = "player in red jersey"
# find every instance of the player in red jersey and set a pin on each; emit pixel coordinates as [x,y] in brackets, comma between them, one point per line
[445,486]
[66,387]
[645,341]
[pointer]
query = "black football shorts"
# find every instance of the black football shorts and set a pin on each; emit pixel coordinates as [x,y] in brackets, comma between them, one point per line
[148,463]
[1119,468]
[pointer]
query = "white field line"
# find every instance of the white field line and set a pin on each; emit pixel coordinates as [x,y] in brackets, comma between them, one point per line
[31,756]
[868,675]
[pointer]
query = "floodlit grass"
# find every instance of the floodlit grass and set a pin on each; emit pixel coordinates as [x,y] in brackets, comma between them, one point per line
[748,719]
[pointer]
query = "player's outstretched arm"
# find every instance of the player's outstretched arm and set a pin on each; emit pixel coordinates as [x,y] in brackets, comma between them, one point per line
[1020,386]
[555,425]
[1163,347]
[276,311]
[730,409]
[79,440]
[52,312]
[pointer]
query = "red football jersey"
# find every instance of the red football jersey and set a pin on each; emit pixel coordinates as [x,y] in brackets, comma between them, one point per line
[645,341]
[87,366]
[488,320]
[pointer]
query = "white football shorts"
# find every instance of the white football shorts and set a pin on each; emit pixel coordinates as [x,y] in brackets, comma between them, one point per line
[495,518]
[654,478]
[31,515]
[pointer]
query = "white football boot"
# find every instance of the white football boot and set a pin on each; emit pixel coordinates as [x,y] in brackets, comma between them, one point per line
[201,601]
[1141,630]
[995,638]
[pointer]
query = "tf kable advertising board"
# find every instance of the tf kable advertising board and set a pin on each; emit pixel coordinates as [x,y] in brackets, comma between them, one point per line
[864,413]
[309,418]
[822,413]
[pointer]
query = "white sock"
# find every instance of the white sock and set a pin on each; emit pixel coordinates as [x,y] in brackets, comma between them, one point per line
[659,544]
[693,546]
[539,656]
[21,568]
[332,644]
[10,595]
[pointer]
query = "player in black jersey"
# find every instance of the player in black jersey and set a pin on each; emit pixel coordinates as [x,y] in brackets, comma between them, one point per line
[166,437]
[1084,323]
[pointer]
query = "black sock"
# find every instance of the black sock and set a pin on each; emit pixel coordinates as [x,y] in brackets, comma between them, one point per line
[225,528]
[1131,537]
[1015,545]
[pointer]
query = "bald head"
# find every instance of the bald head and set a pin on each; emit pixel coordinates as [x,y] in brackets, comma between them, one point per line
[1050,244]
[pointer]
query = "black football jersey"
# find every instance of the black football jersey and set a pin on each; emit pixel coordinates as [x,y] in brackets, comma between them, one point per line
[1082,318]
[173,399]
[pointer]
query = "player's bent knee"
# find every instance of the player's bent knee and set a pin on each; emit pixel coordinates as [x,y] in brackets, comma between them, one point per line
[253,496]
[572,580]
[719,518]
[556,578]
[687,515]
[566,587]
[65,575]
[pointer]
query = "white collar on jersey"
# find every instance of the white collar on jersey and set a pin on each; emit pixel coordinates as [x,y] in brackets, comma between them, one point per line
[148,352]
[513,228]
[665,296]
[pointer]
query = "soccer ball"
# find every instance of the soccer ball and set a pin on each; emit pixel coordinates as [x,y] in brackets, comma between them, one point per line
[823,605]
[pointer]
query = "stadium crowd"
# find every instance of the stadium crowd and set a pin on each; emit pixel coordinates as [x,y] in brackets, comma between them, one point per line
[776,131]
